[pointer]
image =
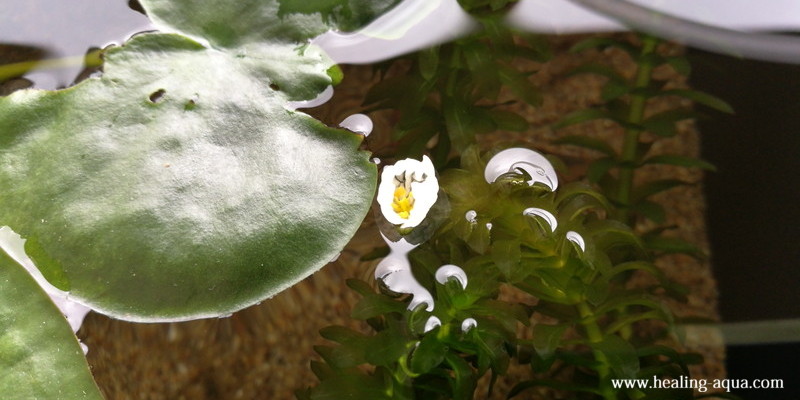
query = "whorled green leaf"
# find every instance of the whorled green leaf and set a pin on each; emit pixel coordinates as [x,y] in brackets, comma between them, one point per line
[547,338]
[680,64]
[670,245]
[664,123]
[39,355]
[428,354]
[584,141]
[648,189]
[621,356]
[463,382]
[650,210]
[699,97]
[428,62]
[599,168]
[180,184]
[681,161]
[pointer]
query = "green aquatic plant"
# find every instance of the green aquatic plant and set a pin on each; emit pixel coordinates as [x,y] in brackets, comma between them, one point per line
[624,101]
[555,249]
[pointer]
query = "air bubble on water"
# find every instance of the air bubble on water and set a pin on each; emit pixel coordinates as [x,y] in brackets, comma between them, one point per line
[395,272]
[471,216]
[321,99]
[431,324]
[489,226]
[376,160]
[576,238]
[358,123]
[450,271]
[544,214]
[517,158]
[468,324]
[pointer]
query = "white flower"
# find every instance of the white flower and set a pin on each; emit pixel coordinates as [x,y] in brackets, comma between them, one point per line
[407,192]
[516,158]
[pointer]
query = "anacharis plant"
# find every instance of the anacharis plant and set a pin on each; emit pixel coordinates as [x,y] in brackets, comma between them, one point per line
[554,248]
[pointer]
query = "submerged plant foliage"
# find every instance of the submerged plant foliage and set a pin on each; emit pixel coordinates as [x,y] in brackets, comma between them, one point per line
[554,249]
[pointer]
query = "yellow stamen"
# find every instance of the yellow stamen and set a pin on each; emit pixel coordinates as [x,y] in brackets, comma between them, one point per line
[403,202]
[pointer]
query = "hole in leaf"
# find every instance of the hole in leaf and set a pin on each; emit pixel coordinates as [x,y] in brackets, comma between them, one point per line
[157,96]
[191,103]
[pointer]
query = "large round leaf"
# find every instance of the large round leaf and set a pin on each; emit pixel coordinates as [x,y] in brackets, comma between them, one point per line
[179,185]
[39,356]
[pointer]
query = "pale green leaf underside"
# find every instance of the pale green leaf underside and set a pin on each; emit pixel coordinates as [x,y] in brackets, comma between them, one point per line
[39,356]
[179,185]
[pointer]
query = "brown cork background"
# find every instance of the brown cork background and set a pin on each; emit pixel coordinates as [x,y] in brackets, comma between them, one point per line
[263,352]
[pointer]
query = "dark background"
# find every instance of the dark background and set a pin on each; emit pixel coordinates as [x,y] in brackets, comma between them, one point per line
[754,207]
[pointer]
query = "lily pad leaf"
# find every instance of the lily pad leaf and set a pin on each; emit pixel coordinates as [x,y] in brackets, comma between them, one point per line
[39,355]
[180,185]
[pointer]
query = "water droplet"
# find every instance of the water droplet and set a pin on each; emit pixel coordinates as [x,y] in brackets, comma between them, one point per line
[321,99]
[514,159]
[358,123]
[450,271]
[376,160]
[410,26]
[395,272]
[468,324]
[576,238]
[544,214]
[471,216]
[431,324]
[489,226]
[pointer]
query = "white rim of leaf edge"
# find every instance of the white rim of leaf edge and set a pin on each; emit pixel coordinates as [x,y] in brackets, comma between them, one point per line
[544,214]
[535,164]
[409,26]
[450,271]
[14,246]
[425,192]
[576,238]
[562,16]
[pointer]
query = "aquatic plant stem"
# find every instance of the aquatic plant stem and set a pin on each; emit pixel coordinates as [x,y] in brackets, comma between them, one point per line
[91,59]
[595,335]
[630,146]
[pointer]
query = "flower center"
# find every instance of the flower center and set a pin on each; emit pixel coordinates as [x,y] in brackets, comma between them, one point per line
[403,202]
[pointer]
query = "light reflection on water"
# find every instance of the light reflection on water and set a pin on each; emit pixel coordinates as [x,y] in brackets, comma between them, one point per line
[59,28]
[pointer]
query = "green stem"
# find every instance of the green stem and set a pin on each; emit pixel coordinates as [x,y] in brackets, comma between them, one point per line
[595,335]
[8,71]
[630,146]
